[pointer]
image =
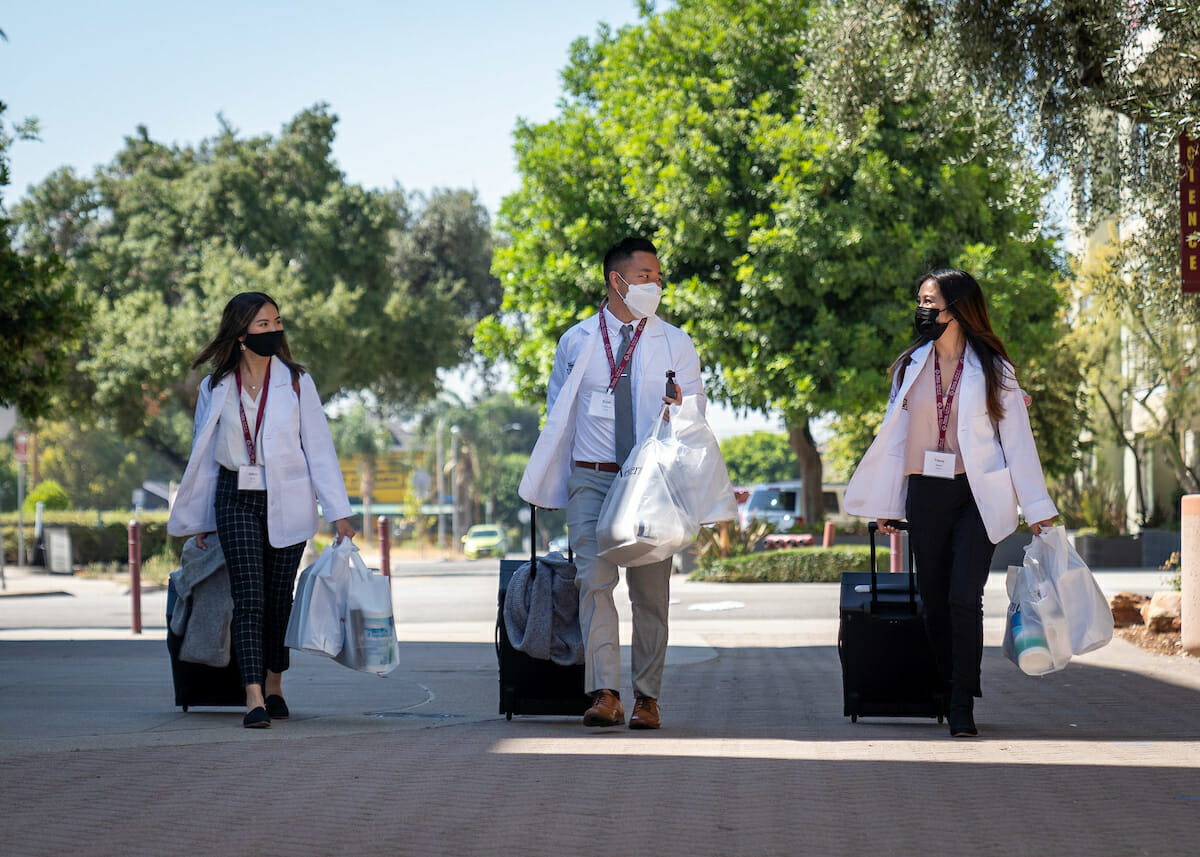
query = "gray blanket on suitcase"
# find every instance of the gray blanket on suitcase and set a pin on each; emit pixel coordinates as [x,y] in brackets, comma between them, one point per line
[541,611]
[205,607]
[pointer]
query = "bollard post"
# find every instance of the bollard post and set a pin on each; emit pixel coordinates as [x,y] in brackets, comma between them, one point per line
[1189,574]
[830,529]
[135,574]
[897,558]
[385,546]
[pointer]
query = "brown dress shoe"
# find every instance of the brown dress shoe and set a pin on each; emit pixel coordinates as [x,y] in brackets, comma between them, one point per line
[606,710]
[645,714]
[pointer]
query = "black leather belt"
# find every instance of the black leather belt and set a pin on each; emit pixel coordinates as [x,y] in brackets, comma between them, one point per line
[602,466]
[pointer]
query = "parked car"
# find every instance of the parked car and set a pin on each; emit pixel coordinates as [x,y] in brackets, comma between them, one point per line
[781,504]
[485,540]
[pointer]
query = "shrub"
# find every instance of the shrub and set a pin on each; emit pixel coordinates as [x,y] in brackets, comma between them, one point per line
[50,494]
[799,565]
[97,537]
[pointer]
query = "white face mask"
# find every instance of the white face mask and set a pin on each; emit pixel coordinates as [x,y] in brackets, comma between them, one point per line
[642,299]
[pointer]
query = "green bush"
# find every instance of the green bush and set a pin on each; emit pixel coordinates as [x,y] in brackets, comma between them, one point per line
[97,537]
[50,494]
[797,565]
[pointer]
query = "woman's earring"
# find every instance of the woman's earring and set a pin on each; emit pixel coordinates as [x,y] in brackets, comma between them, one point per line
[243,345]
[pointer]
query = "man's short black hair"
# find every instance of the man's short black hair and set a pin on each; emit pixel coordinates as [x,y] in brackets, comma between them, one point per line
[623,251]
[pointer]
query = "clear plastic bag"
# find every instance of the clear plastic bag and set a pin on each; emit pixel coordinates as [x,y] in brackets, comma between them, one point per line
[370,628]
[1089,618]
[315,625]
[672,482]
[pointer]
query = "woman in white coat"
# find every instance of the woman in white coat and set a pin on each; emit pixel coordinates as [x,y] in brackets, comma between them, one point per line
[955,456]
[261,457]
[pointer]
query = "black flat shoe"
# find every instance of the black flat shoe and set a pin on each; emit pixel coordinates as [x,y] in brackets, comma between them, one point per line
[257,718]
[276,708]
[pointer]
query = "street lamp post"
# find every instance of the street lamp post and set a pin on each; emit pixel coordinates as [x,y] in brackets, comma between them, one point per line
[454,488]
[441,489]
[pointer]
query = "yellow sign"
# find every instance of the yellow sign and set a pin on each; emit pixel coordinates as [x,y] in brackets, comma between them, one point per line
[393,475]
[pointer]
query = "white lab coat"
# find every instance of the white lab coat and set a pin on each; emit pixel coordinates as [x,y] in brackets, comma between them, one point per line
[300,461]
[661,347]
[1000,458]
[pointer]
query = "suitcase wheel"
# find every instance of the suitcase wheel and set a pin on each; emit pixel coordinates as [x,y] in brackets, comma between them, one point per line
[508,716]
[853,718]
[185,709]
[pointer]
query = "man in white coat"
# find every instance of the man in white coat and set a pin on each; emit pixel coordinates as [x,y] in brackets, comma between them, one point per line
[604,396]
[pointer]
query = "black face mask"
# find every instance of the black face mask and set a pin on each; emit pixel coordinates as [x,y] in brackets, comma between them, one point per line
[264,344]
[925,320]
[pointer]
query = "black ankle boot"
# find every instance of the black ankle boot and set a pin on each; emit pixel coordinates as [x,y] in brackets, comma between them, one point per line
[962,715]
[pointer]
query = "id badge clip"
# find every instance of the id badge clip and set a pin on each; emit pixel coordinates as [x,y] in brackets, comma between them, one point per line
[940,464]
[252,477]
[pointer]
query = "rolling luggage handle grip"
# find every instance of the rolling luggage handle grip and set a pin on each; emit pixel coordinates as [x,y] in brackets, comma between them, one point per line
[872,529]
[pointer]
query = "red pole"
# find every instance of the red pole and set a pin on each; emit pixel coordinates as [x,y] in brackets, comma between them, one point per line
[830,529]
[897,546]
[385,546]
[135,574]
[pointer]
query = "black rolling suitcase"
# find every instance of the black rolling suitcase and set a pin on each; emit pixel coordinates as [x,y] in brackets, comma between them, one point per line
[888,668]
[199,684]
[530,685]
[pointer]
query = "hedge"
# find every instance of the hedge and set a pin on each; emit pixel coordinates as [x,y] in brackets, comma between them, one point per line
[92,540]
[796,565]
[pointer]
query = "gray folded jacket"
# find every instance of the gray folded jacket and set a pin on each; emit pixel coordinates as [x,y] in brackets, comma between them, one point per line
[541,611]
[204,611]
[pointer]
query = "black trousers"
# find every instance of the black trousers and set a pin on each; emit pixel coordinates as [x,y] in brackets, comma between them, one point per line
[953,555]
[261,579]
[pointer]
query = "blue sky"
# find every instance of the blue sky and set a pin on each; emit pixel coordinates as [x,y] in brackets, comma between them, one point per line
[427,93]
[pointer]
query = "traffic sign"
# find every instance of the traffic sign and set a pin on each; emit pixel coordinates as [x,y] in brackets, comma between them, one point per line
[21,447]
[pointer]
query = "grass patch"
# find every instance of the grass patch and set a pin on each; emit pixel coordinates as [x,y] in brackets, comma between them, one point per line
[797,565]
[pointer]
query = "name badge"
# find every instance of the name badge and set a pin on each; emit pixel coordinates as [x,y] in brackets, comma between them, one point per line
[252,477]
[940,464]
[602,405]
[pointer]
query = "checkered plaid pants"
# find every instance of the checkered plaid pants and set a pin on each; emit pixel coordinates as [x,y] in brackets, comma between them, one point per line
[261,578]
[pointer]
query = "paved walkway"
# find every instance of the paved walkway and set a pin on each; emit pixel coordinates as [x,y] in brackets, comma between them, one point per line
[755,757]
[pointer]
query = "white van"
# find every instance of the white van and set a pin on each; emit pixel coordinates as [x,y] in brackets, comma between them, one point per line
[781,504]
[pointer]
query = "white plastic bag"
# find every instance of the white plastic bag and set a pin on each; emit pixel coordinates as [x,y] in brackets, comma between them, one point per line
[1036,635]
[671,483]
[370,628]
[315,625]
[1089,618]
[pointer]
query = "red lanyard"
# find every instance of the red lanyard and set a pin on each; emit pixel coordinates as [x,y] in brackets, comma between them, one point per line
[618,371]
[262,406]
[943,410]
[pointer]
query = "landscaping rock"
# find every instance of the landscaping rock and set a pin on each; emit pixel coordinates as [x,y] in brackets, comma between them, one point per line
[1127,609]
[1162,613]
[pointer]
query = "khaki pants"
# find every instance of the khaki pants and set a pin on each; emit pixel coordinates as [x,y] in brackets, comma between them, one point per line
[649,593]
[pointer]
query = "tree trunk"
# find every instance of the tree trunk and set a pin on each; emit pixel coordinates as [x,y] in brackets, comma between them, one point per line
[366,488]
[805,448]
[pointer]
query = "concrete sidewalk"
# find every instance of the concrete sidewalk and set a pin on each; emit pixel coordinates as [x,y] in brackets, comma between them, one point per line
[755,757]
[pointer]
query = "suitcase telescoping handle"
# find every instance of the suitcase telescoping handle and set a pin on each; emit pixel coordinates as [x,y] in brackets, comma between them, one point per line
[533,542]
[872,529]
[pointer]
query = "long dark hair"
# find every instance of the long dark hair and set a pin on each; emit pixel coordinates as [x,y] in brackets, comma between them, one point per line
[964,300]
[223,352]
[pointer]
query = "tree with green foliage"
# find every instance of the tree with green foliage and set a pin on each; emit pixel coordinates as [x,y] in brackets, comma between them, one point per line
[798,163]
[163,236]
[41,312]
[760,456]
